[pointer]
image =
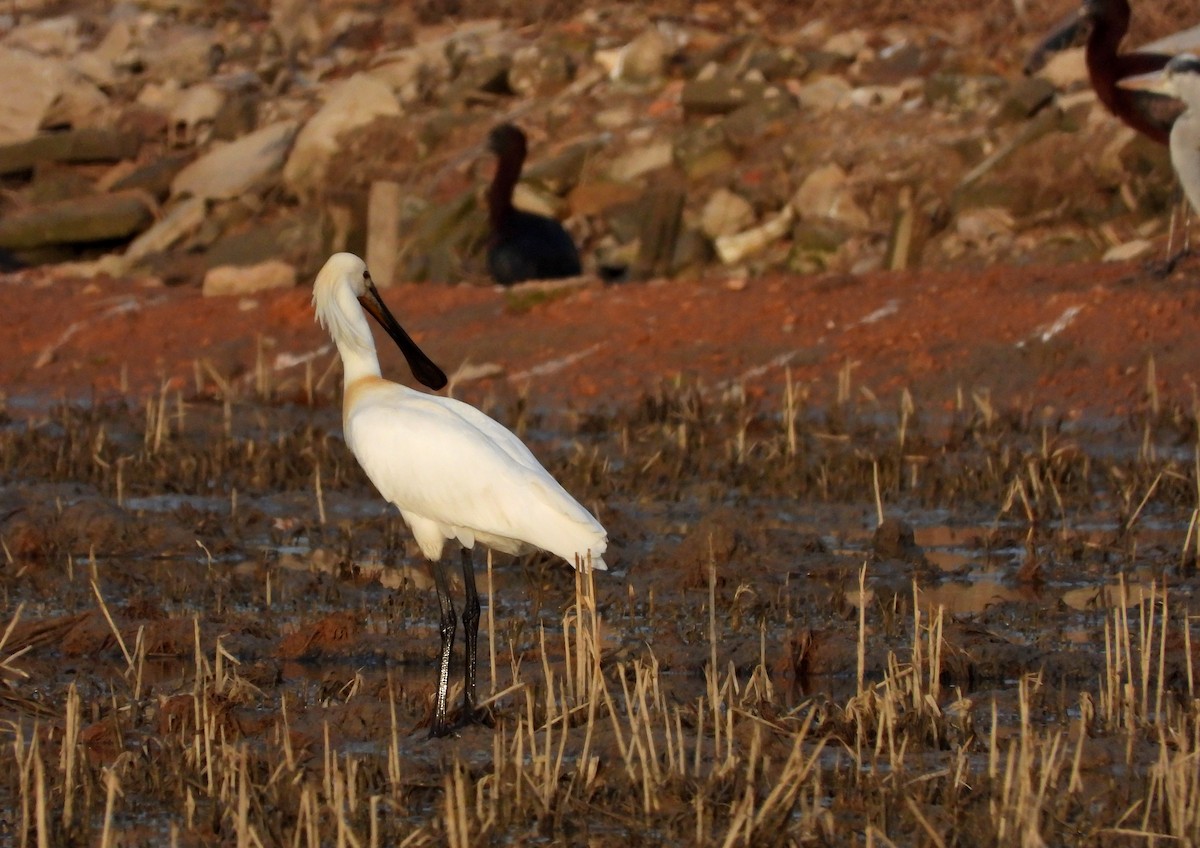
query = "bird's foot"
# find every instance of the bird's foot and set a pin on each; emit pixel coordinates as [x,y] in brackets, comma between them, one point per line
[475,715]
[463,718]
[1167,266]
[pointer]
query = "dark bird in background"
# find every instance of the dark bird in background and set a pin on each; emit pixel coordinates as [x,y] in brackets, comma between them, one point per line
[522,245]
[1108,22]
[1151,112]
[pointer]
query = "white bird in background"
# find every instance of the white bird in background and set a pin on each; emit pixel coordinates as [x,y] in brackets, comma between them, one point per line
[453,472]
[1180,78]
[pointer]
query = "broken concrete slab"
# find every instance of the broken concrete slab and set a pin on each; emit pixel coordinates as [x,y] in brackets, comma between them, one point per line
[83,220]
[91,144]
[225,280]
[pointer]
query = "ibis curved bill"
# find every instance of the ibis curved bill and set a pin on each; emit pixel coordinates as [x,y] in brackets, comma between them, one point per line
[455,474]
[1181,79]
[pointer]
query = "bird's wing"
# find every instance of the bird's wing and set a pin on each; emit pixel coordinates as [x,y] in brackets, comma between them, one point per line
[453,465]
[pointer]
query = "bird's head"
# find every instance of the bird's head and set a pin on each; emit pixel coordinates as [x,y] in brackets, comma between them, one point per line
[342,291]
[342,280]
[1183,65]
[1180,77]
[506,139]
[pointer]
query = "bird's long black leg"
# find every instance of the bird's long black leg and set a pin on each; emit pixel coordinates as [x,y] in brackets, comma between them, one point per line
[470,618]
[1180,212]
[446,607]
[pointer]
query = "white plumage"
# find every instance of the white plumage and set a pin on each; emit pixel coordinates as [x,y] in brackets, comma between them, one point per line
[453,472]
[456,474]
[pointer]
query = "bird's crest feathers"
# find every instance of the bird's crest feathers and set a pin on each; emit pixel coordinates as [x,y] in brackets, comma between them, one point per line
[342,278]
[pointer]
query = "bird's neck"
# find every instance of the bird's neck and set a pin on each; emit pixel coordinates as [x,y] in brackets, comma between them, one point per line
[500,194]
[1107,32]
[357,363]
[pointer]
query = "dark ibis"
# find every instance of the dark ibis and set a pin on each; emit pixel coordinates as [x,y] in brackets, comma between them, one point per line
[1107,22]
[523,245]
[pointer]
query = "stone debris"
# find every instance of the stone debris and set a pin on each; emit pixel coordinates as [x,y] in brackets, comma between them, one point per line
[350,105]
[755,138]
[725,213]
[241,280]
[233,169]
[83,220]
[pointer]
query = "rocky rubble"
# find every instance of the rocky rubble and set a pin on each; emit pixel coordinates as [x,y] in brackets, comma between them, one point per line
[162,139]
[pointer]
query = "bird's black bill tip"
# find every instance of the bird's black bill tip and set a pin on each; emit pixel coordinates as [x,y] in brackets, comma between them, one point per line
[422,367]
[429,374]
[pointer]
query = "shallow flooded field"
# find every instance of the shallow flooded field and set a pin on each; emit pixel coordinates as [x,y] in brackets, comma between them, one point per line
[872,624]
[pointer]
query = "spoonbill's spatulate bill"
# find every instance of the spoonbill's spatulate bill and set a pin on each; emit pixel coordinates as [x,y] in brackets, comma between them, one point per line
[523,245]
[1180,78]
[454,473]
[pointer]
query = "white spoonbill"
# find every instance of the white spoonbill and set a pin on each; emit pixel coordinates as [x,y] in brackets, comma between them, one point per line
[453,472]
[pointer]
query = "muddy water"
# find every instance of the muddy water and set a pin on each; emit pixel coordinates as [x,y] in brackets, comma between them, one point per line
[149,548]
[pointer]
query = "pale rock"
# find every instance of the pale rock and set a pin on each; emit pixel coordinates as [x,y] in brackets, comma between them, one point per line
[823,94]
[848,44]
[184,53]
[1083,99]
[538,70]
[642,160]
[984,225]
[80,103]
[197,107]
[235,168]
[297,25]
[44,83]
[527,198]
[725,213]
[734,248]
[94,68]
[116,43]
[352,103]
[608,59]
[644,59]
[816,30]
[48,37]
[1066,68]
[242,280]
[1128,250]
[825,193]
[160,96]
[614,118]
[868,96]
[410,71]
[183,219]
[478,40]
